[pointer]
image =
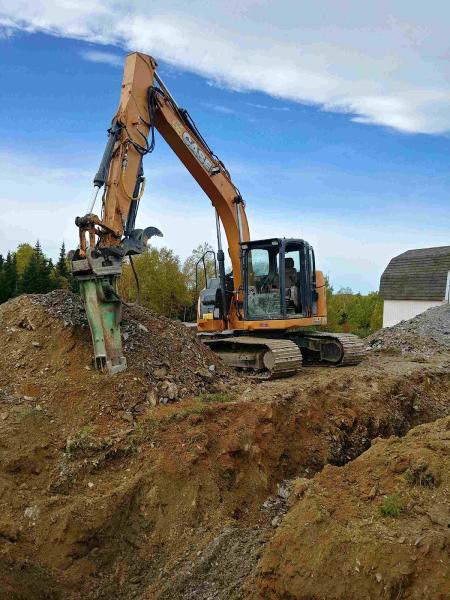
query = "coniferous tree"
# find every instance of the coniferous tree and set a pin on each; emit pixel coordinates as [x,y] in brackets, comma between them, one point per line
[8,278]
[37,277]
[2,282]
[61,266]
[46,270]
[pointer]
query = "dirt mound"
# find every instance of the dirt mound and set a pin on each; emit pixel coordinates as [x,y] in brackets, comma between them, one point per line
[424,335]
[49,334]
[375,528]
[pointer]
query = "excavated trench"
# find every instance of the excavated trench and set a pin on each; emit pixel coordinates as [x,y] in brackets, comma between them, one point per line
[108,496]
[163,518]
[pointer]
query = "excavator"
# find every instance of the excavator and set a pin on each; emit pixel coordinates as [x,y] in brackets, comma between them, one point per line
[266,315]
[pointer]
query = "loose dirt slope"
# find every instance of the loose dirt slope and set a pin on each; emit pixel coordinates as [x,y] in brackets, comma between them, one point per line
[106,492]
[376,528]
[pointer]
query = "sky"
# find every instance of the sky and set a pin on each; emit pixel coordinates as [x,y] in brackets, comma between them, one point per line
[333,119]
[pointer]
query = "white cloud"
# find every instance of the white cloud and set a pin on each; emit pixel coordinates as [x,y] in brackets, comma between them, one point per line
[352,251]
[382,62]
[265,107]
[220,108]
[97,56]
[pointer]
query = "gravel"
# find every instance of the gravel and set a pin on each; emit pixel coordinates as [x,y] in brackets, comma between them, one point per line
[63,305]
[427,333]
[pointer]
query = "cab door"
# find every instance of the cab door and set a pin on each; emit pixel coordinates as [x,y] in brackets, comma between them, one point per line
[297,263]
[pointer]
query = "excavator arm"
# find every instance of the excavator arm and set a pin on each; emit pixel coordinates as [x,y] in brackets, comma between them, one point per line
[145,105]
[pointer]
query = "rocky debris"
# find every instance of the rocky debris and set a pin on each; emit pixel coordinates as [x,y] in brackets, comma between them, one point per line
[276,506]
[425,334]
[63,305]
[218,571]
[397,538]
[162,352]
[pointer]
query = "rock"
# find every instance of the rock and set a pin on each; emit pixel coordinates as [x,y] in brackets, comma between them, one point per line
[3,416]
[36,345]
[212,368]
[127,416]
[160,373]
[378,577]
[373,492]
[152,398]
[439,515]
[283,491]
[276,521]
[205,374]
[419,540]
[90,485]
[170,390]
[143,328]
[31,512]
[164,400]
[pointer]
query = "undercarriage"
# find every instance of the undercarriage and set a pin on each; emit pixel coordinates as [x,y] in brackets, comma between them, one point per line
[283,356]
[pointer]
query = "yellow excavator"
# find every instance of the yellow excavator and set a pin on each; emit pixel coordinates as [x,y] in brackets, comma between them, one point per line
[266,315]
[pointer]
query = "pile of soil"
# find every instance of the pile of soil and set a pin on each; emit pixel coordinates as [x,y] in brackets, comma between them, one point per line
[424,335]
[49,334]
[375,528]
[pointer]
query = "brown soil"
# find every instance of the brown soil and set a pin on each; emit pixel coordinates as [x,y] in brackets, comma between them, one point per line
[376,528]
[105,495]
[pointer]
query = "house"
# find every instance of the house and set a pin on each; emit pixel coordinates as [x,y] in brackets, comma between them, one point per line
[413,282]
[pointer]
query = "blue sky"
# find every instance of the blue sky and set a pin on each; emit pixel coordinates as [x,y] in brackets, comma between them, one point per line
[360,193]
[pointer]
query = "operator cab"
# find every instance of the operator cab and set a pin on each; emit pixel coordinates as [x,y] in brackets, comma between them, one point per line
[279,279]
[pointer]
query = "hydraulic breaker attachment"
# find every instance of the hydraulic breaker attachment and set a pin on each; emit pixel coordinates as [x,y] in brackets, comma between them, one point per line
[98,278]
[97,272]
[104,312]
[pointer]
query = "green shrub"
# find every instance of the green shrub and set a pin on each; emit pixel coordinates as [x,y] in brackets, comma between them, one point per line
[392,506]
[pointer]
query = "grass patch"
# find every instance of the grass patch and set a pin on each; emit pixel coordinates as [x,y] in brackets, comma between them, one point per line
[186,412]
[214,397]
[392,506]
[145,431]
[80,440]
[201,405]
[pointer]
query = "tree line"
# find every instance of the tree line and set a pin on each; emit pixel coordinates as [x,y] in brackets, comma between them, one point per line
[28,271]
[351,312]
[167,286]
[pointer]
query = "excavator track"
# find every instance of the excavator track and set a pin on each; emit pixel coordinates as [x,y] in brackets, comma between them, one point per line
[331,349]
[268,358]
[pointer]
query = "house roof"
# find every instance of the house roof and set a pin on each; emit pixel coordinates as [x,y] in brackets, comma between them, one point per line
[417,275]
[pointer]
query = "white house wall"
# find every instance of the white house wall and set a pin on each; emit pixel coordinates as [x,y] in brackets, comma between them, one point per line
[395,311]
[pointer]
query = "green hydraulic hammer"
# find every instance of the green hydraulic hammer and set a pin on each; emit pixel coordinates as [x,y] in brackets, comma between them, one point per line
[97,273]
[104,312]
